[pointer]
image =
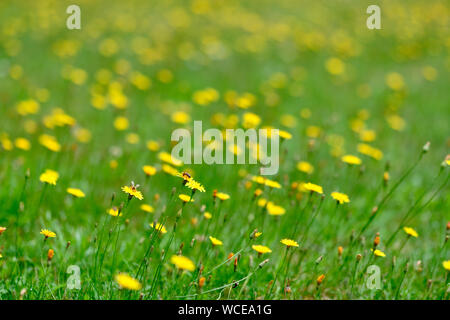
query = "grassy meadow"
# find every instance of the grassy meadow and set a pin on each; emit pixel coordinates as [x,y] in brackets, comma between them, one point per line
[359,208]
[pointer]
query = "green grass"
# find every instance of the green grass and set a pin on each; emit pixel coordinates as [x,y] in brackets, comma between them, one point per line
[277,52]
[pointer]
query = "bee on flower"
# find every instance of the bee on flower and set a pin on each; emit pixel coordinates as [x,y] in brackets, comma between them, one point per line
[132,191]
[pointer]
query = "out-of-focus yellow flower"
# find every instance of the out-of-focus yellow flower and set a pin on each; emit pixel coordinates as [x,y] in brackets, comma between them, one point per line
[58,118]
[396,122]
[47,233]
[305,167]
[26,107]
[367,135]
[305,113]
[289,243]
[169,170]
[127,282]
[215,241]
[370,151]
[180,117]
[275,210]
[114,211]
[261,249]
[83,135]
[182,262]
[410,232]
[165,75]
[121,123]
[313,187]
[149,170]
[147,208]
[429,73]
[49,142]
[394,80]
[49,176]
[167,157]
[446,265]
[335,66]
[313,131]
[250,120]
[153,145]
[132,138]
[222,196]
[207,215]
[158,227]
[378,253]
[206,96]
[76,192]
[340,197]
[140,81]
[185,198]
[22,143]
[350,159]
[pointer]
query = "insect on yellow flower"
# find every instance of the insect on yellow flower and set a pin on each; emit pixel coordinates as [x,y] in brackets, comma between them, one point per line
[215,241]
[410,232]
[49,176]
[132,191]
[289,243]
[340,197]
[182,262]
[76,192]
[48,233]
[127,282]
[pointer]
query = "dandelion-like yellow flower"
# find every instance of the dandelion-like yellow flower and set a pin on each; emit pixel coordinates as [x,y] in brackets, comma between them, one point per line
[272,184]
[215,241]
[49,176]
[147,208]
[158,227]
[410,232]
[132,191]
[446,265]
[127,282]
[305,167]
[182,262]
[185,198]
[350,159]
[289,243]
[149,170]
[312,187]
[194,185]
[49,142]
[76,192]
[167,157]
[222,196]
[114,211]
[207,215]
[340,197]
[261,249]
[378,253]
[48,233]
[169,170]
[275,210]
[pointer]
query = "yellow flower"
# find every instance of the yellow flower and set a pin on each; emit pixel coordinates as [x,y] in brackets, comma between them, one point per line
[48,233]
[180,117]
[312,187]
[121,123]
[394,80]
[184,175]
[410,232]
[250,120]
[215,241]
[49,176]
[378,253]
[335,66]
[149,170]
[446,265]
[76,192]
[167,157]
[258,234]
[284,135]
[159,227]
[272,184]
[305,167]
[370,151]
[185,198]
[340,197]
[207,215]
[22,143]
[261,249]
[289,242]
[194,185]
[127,282]
[351,159]
[182,262]
[114,211]
[147,208]
[169,170]
[222,196]
[275,210]
[49,142]
[153,145]
[132,191]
